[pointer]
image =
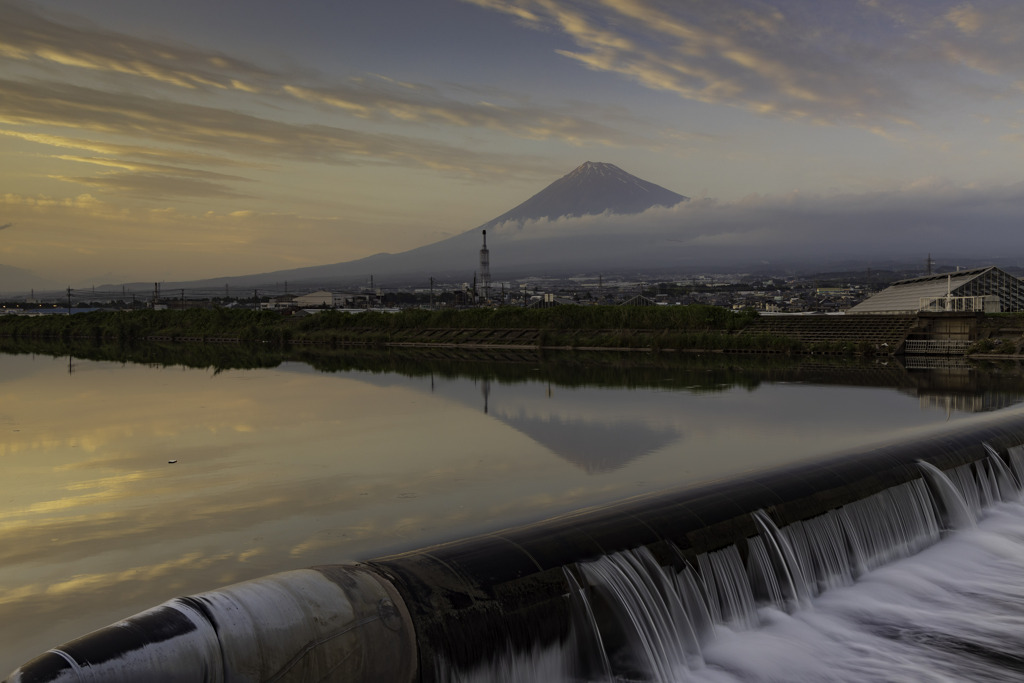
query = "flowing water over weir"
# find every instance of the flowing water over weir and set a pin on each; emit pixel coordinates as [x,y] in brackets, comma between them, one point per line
[898,563]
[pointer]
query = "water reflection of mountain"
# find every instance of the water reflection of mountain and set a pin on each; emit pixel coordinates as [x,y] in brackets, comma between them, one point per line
[578,424]
[589,444]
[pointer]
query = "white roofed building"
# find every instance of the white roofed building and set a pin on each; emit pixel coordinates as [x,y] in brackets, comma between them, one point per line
[987,289]
[317,299]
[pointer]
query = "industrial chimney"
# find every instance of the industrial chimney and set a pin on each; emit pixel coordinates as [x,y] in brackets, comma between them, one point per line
[485,269]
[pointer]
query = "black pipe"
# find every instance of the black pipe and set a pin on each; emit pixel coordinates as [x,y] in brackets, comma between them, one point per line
[469,596]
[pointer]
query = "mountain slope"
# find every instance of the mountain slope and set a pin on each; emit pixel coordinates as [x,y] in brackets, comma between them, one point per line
[592,188]
[20,280]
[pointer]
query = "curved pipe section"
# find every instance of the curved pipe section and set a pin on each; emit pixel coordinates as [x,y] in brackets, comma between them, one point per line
[341,623]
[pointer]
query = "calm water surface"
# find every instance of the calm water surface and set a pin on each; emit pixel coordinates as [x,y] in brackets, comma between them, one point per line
[128,484]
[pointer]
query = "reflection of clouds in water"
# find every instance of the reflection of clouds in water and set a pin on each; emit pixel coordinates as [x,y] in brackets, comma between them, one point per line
[160,507]
[98,587]
[595,446]
[143,573]
[93,427]
[111,489]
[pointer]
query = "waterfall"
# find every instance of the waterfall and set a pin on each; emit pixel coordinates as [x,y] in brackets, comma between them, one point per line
[656,622]
[1016,457]
[1007,483]
[957,496]
[785,569]
[650,610]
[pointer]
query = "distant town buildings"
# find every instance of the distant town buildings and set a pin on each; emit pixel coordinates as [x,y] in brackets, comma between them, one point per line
[978,289]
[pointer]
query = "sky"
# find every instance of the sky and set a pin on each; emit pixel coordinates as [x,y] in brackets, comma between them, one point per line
[151,141]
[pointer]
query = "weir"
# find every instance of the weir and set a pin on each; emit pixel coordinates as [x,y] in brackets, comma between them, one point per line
[637,590]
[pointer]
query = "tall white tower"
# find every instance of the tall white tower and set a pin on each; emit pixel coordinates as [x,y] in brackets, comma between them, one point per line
[485,269]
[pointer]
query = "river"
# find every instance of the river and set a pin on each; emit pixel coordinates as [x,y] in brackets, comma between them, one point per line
[127,484]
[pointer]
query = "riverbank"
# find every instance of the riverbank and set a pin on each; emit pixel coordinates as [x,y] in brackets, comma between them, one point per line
[698,372]
[649,328]
[654,328]
[697,328]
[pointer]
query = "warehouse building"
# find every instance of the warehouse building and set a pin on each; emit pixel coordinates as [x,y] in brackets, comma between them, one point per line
[987,289]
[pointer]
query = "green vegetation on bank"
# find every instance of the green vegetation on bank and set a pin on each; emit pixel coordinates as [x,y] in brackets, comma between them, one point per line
[659,328]
[689,372]
[999,334]
[133,326]
[268,326]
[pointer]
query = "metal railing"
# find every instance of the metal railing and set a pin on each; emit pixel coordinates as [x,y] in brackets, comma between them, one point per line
[953,304]
[938,347]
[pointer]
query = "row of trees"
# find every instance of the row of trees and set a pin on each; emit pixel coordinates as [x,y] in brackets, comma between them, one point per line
[264,326]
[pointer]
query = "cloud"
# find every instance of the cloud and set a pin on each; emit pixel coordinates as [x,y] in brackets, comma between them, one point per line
[418,104]
[986,37]
[168,122]
[519,10]
[952,222]
[31,38]
[146,179]
[143,179]
[153,185]
[173,156]
[28,36]
[153,181]
[966,19]
[860,64]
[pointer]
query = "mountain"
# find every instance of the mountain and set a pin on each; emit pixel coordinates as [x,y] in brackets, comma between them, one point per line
[593,188]
[20,280]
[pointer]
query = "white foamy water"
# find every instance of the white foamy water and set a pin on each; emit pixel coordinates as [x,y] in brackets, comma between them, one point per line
[919,607]
[954,612]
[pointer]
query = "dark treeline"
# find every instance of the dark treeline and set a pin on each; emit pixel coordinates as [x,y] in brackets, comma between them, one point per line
[216,357]
[371,326]
[658,328]
[699,373]
[692,372]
